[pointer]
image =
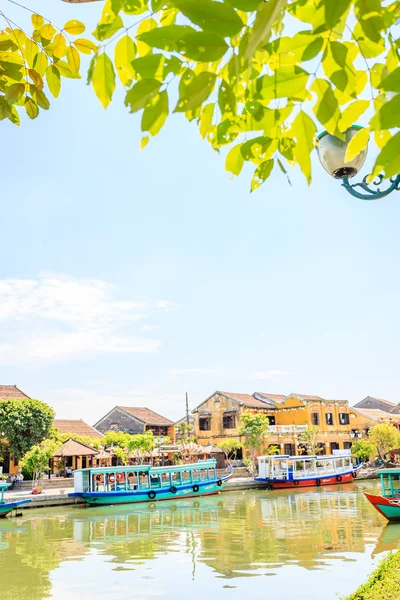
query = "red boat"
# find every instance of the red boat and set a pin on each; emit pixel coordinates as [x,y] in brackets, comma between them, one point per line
[284,471]
[389,503]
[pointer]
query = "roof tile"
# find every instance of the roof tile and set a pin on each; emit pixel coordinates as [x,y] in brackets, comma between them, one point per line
[11,391]
[147,416]
[76,427]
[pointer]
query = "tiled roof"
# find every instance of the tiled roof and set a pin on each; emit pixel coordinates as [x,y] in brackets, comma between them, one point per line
[245,399]
[274,397]
[76,427]
[307,397]
[73,448]
[376,414]
[395,410]
[11,391]
[370,398]
[146,415]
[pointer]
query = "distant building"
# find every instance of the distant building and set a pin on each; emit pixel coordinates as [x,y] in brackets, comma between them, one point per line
[76,427]
[378,403]
[132,419]
[8,392]
[365,418]
[218,418]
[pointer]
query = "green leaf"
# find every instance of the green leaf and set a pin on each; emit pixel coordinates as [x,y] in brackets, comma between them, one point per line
[65,70]
[357,144]
[392,82]
[262,172]
[226,98]
[85,46]
[31,108]
[196,92]
[245,5]
[388,115]
[352,113]
[40,98]
[206,119]
[258,149]
[103,79]
[286,51]
[202,46]
[105,31]
[165,38]
[304,130]
[370,17]
[155,115]
[234,160]
[326,109]
[150,66]
[216,17]
[124,55]
[262,28]
[74,27]
[40,63]
[31,49]
[368,48]
[285,83]
[53,80]
[389,157]
[15,92]
[334,11]
[142,94]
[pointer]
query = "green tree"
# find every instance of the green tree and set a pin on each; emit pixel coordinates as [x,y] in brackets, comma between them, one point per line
[363,449]
[385,437]
[309,438]
[230,448]
[141,445]
[36,460]
[258,78]
[24,423]
[254,428]
[185,431]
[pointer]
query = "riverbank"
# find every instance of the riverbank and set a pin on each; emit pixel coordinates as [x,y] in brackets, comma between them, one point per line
[384,583]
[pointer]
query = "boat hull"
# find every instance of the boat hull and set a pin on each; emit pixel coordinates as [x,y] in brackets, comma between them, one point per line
[338,479]
[122,497]
[387,507]
[7,507]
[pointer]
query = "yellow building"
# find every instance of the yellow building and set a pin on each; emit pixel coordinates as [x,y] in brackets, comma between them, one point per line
[218,419]
[362,419]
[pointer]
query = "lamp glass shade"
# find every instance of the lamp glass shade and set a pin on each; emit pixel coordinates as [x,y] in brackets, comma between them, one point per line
[332,150]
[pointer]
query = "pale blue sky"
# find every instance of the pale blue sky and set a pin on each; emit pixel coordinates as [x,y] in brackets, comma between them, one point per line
[130,277]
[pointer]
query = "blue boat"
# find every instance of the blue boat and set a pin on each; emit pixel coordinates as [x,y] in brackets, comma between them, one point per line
[7,507]
[144,483]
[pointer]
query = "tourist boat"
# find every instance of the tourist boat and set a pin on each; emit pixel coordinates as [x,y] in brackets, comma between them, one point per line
[389,503]
[284,471]
[144,483]
[7,507]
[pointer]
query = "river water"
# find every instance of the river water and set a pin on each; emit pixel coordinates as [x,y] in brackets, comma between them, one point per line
[315,544]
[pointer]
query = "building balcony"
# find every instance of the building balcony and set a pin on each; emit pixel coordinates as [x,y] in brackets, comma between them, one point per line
[285,429]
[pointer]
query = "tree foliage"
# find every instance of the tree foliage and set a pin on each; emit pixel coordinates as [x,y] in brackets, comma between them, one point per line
[230,448]
[36,460]
[24,423]
[385,437]
[309,437]
[257,77]
[254,428]
[363,449]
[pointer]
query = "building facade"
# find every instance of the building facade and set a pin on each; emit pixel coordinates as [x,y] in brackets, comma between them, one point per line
[133,420]
[218,419]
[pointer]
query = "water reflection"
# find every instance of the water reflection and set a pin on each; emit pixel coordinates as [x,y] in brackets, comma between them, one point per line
[231,535]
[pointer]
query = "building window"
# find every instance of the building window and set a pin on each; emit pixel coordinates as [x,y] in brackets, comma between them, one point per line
[229,421]
[334,446]
[321,449]
[271,420]
[344,419]
[347,445]
[329,418]
[315,418]
[204,423]
[289,449]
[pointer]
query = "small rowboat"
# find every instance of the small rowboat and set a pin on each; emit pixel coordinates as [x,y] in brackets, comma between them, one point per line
[284,471]
[7,507]
[389,503]
[144,483]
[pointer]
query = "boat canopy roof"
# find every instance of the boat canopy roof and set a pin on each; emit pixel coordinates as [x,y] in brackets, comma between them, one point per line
[388,471]
[307,457]
[201,464]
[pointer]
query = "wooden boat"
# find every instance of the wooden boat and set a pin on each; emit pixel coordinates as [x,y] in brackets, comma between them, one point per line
[7,507]
[284,471]
[389,503]
[144,483]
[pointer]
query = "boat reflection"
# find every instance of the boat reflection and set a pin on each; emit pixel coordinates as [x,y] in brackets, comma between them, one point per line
[389,539]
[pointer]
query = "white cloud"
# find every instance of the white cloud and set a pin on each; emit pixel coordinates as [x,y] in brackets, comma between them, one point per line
[192,371]
[55,317]
[273,374]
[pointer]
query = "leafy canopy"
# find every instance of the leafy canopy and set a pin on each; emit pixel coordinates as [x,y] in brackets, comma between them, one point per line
[385,437]
[257,77]
[254,428]
[363,449]
[24,423]
[36,460]
[309,437]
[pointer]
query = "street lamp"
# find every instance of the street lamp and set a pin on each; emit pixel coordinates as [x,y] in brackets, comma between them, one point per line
[331,153]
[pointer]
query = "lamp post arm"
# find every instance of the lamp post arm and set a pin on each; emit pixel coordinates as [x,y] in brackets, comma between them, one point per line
[371,194]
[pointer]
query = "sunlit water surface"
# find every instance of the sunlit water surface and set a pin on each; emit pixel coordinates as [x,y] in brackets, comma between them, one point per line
[316,544]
